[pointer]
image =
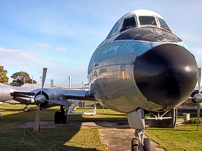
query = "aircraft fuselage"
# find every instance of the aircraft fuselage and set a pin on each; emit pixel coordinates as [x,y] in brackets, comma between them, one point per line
[142,67]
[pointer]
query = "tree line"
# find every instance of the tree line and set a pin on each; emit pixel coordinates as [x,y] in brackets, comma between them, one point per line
[19,78]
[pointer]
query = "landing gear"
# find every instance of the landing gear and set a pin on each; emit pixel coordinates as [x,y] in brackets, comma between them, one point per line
[134,144]
[26,109]
[147,144]
[140,143]
[60,117]
[166,119]
[136,120]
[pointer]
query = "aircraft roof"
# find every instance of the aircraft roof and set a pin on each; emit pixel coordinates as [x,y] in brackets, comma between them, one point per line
[142,12]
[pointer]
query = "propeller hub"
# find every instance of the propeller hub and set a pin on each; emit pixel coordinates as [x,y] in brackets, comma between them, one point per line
[40,99]
[198,98]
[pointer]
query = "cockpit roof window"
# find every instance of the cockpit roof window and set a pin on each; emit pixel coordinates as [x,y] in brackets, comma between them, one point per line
[163,24]
[147,20]
[128,23]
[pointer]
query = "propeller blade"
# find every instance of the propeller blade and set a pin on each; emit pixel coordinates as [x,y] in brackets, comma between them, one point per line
[40,99]
[43,78]
[199,79]
[36,123]
[198,104]
[198,114]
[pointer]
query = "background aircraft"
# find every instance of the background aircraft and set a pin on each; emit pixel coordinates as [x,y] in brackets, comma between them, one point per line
[140,66]
[5,95]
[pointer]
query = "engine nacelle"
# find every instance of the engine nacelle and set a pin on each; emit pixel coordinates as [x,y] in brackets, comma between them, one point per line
[192,101]
[47,94]
[198,98]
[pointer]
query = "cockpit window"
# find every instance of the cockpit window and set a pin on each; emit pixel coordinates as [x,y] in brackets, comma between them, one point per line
[128,23]
[163,24]
[114,29]
[147,20]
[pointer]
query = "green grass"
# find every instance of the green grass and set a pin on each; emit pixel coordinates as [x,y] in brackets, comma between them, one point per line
[51,139]
[181,138]
[66,139]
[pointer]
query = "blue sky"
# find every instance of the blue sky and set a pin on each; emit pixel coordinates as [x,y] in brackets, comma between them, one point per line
[62,34]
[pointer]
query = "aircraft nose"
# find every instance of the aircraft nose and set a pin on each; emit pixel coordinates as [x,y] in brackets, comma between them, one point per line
[166,74]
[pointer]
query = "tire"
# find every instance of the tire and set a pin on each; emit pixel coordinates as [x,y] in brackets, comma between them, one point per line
[134,144]
[57,117]
[63,118]
[26,109]
[147,144]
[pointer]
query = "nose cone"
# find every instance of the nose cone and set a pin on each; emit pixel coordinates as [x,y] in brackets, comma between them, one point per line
[166,74]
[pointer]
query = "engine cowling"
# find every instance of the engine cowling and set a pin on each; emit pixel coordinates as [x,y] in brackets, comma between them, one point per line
[192,101]
[47,94]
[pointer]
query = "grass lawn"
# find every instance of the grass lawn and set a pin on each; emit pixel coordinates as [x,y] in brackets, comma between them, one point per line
[182,138]
[74,139]
[51,139]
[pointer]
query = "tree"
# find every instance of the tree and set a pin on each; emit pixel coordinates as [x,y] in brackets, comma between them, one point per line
[3,77]
[20,78]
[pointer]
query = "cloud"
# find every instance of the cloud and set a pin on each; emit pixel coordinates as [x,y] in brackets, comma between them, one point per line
[20,60]
[48,46]
[17,57]
[60,74]
[43,46]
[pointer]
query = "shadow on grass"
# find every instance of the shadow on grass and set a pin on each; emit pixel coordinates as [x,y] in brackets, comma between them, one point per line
[17,109]
[111,114]
[12,138]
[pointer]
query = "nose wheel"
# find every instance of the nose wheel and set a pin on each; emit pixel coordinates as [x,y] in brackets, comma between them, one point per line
[146,144]
[140,143]
[134,144]
[136,120]
[140,147]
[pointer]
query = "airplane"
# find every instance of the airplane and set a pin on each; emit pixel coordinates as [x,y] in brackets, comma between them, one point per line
[5,96]
[140,67]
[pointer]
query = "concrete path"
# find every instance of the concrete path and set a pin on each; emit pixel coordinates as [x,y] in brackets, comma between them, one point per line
[120,139]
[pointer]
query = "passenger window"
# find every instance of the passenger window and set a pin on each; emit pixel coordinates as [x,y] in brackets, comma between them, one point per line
[163,24]
[147,20]
[128,23]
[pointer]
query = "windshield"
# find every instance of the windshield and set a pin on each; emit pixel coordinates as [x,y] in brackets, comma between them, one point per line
[128,23]
[114,29]
[163,23]
[147,20]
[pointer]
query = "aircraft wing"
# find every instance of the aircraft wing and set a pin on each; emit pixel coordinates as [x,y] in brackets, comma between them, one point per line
[78,95]
[54,95]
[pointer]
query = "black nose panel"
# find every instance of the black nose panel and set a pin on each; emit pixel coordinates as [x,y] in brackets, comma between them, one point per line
[166,74]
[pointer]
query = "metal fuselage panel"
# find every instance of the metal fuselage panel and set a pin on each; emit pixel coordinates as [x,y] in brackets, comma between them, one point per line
[112,79]
[5,93]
